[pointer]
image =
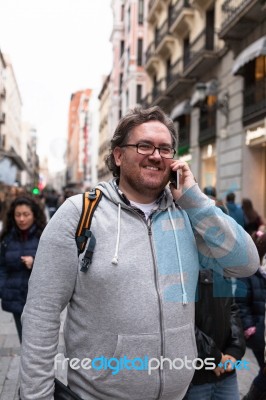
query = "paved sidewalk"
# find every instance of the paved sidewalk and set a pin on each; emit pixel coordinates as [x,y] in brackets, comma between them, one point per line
[10,357]
[9,361]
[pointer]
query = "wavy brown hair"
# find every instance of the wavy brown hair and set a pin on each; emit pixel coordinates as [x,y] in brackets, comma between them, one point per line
[37,210]
[133,118]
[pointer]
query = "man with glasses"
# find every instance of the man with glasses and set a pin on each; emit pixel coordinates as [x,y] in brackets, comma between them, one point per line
[129,331]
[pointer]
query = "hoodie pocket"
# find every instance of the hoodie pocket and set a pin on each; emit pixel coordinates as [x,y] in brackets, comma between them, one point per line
[180,351]
[127,377]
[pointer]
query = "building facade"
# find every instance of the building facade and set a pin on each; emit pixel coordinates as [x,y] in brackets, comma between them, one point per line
[105,133]
[206,68]
[126,85]
[11,162]
[77,157]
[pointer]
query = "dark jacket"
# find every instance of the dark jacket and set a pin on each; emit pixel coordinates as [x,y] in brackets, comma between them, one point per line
[236,212]
[218,325]
[251,294]
[14,275]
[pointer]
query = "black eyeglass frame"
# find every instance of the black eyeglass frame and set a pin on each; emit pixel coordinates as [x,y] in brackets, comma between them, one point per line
[154,148]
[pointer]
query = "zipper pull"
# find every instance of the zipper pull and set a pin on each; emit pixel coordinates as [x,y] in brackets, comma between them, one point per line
[149,226]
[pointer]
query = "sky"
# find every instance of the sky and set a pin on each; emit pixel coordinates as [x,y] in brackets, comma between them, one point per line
[56,48]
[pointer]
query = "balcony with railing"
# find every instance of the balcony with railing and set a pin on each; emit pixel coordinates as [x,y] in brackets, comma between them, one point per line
[157,96]
[181,16]
[240,17]
[155,7]
[164,40]
[201,55]
[151,58]
[254,102]
[158,92]
[207,124]
[175,80]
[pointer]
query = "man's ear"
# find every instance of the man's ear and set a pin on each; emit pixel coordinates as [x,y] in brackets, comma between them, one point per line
[117,152]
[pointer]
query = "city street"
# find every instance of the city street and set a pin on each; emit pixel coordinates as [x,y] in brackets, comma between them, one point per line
[9,361]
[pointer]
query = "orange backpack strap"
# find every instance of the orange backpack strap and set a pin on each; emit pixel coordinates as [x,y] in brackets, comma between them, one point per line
[83,233]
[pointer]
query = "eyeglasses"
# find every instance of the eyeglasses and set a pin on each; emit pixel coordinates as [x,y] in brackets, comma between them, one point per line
[147,149]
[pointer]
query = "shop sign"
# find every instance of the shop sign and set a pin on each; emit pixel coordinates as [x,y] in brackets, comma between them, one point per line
[256,136]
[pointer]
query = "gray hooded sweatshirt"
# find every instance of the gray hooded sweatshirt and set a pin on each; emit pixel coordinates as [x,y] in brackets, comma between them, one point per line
[135,302]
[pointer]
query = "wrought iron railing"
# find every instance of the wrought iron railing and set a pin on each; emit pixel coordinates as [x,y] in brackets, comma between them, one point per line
[202,42]
[232,8]
[158,88]
[177,9]
[161,33]
[174,71]
[150,51]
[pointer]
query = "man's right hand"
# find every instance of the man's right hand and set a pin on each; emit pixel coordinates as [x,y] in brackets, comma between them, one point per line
[220,370]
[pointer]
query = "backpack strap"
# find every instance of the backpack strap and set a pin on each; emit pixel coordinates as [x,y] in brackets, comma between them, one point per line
[83,233]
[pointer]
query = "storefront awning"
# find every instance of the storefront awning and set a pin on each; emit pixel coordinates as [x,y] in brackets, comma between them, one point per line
[256,49]
[181,109]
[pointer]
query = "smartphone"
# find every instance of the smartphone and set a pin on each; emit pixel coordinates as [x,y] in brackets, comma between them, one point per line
[174,178]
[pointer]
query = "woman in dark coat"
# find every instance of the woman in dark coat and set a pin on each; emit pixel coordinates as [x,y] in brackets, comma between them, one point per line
[25,221]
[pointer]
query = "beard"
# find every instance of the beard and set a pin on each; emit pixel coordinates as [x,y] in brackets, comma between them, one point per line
[144,185]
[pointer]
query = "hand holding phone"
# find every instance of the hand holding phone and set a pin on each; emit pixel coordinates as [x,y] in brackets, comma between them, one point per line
[174,178]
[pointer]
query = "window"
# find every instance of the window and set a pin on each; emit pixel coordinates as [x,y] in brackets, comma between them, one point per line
[120,82]
[141,12]
[122,12]
[260,68]
[122,47]
[186,50]
[139,93]
[140,52]
[128,20]
[210,29]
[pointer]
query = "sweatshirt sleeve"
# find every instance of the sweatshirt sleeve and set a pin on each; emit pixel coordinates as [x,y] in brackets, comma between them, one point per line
[50,288]
[223,245]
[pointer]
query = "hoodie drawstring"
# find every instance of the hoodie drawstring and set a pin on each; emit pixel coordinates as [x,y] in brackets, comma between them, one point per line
[115,258]
[184,293]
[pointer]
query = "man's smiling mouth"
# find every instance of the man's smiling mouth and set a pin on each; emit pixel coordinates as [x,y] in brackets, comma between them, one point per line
[152,168]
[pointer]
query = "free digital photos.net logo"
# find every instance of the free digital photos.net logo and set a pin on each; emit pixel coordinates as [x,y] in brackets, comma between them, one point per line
[143,364]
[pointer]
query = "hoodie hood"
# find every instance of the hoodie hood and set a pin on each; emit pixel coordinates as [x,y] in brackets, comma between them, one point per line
[109,190]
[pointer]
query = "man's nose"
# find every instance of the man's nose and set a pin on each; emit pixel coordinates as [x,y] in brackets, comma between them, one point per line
[156,153]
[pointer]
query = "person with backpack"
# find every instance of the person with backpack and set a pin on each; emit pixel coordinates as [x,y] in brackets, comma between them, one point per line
[131,291]
[23,225]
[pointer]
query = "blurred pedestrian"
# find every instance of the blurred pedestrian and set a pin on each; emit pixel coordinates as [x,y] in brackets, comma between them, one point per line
[235,211]
[22,229]
[52,202]
[252,219]
[210,191]
[251,294]
[219,333]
